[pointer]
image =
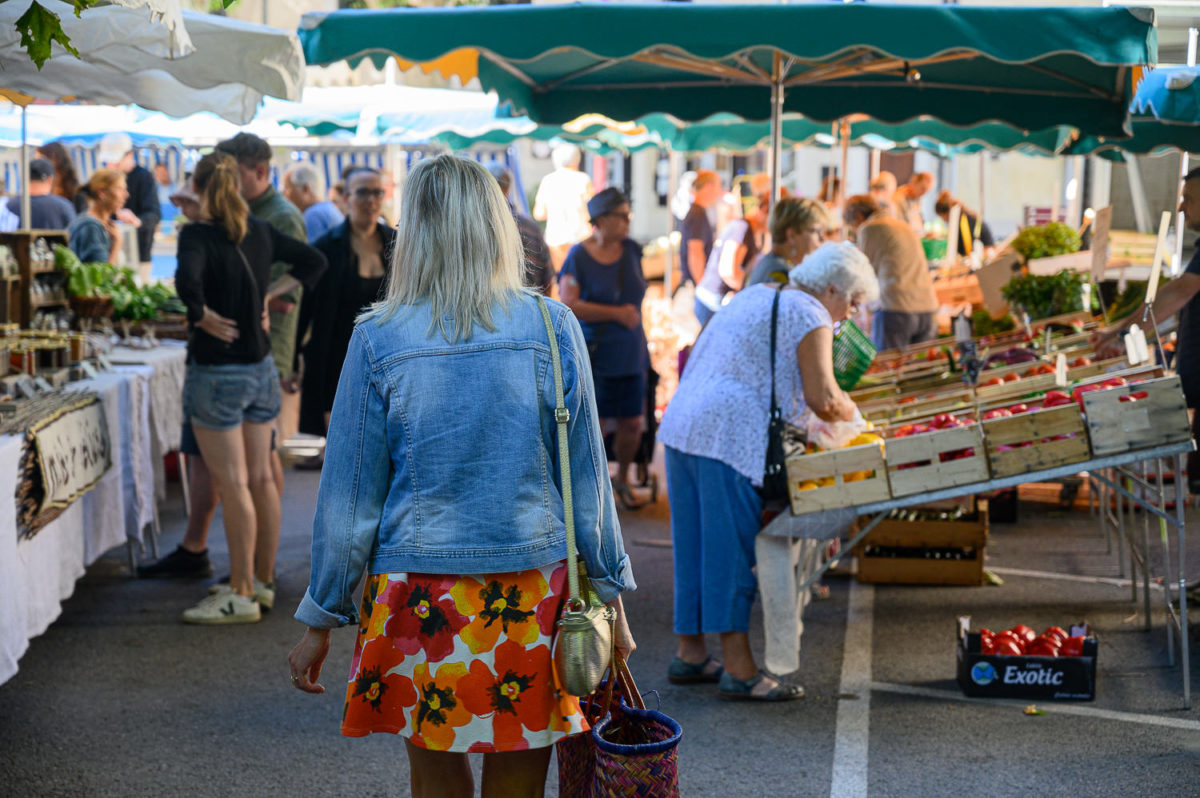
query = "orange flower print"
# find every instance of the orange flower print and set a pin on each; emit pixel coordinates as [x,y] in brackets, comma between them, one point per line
[371,616]
[376,692]
[422,617]
[496,607]
[515,693]
[549,610]
[439,709]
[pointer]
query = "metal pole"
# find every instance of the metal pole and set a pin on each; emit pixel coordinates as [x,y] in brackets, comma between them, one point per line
[25,212]
[776,123]
[669,261]
[1185,659]
[1193,33]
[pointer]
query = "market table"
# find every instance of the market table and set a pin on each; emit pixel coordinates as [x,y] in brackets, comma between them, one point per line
[37,574]
[1115,473]
[169,364]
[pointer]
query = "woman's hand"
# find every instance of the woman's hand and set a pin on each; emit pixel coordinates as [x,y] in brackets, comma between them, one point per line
[622,637]
[306,660]
[218,326]
[628,316]
[265,319]
[129,217]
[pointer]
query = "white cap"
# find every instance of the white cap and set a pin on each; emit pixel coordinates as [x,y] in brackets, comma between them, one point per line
[113,147]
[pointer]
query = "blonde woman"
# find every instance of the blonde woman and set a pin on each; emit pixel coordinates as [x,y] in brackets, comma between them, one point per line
[231,389]
[441,484]
[798,226]
[94,236]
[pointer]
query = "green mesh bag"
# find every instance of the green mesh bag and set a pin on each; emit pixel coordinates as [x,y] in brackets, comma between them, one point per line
[852,355]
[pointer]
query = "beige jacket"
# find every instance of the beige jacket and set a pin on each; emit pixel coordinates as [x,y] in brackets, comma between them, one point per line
[899,261]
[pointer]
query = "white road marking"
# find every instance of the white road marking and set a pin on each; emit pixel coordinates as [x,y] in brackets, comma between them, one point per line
[1094,580]
[851,739]
[1049,708]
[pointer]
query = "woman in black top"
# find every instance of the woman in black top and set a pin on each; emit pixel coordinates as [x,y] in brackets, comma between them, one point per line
[359,251]
[231,392]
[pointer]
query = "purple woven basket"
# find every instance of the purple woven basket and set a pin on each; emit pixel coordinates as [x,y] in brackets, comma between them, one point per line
[636,754]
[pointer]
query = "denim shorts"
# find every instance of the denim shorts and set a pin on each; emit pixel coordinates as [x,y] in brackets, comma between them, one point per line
[225,396]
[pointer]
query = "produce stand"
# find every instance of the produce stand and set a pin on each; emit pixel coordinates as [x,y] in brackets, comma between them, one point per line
[1123,474]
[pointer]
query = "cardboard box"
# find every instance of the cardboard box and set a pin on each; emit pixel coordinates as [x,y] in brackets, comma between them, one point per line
[992,676]
[925,552]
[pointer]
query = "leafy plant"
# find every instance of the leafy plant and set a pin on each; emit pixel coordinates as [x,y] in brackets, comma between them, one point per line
[1047,240]
[983,324]
[130,301]
[1042,296]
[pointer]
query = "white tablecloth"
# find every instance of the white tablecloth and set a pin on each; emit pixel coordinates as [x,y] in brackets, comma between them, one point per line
[38,574]
[169,366]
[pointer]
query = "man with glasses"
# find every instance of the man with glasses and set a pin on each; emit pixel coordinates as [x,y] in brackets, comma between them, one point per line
[907,300]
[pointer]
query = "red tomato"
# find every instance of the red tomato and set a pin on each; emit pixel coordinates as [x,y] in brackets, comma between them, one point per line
[1055,399]
[1024,632]
[994,381]
[903,432]
[999,412]
[1042,648]
[1113,382]
[1017,409]
[906,400]
[1081,361]
[1078,393]
[933,354]
[1057,632]
[1072,646]
[1006,647]
[1012,376]
[943,421]
[921,428]
[1133,397]
[1045,368]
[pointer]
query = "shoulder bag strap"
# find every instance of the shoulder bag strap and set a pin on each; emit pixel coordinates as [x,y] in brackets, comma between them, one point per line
[561,417]
[774,325]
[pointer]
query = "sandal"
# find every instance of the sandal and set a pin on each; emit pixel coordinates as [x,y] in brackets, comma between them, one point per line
[625,496]
[738,690]
[681,671]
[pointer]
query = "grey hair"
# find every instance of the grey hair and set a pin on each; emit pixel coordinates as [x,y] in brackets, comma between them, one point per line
[304,175]
[565,155]
[839,264]
[457,247]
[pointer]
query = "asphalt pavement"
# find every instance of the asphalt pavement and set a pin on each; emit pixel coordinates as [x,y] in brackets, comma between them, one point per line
[118,698]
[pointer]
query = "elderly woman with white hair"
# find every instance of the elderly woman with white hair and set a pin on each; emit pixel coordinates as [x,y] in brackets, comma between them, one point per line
[715,434]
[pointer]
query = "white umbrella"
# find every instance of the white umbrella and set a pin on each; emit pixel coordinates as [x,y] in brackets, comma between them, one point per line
[125,57]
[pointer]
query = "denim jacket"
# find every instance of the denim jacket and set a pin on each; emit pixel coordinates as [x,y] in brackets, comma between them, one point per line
[442,458]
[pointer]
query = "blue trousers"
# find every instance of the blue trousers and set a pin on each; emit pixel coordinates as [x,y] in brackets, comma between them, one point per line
[715,515]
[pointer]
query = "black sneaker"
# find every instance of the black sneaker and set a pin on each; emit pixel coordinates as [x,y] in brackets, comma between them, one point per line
[179,564]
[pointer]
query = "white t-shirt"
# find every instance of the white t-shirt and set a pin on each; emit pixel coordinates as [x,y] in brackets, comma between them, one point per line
[721,407]
[564,194]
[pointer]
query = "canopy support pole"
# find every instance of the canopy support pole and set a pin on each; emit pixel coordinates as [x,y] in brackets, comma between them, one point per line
[776,123]
[1183,163]
[25,212]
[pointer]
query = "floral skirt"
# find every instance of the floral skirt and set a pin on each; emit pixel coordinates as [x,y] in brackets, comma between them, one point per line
[461,663]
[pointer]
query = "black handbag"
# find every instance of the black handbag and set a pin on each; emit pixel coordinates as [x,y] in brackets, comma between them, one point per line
[774,490]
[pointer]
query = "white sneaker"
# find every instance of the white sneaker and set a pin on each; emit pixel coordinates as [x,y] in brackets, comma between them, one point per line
[224,607]
[264,592]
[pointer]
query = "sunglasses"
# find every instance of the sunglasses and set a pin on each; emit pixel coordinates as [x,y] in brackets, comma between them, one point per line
[368,193]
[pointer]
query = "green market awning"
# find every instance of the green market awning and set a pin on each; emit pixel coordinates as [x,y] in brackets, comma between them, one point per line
[1033,68]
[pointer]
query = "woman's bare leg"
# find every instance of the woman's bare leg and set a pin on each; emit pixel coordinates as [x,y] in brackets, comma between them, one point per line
[224,453]
[265,495]
[439,774]
[516,774]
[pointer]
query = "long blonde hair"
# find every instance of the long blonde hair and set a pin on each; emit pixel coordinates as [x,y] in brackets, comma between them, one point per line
[457,246]
[217,182]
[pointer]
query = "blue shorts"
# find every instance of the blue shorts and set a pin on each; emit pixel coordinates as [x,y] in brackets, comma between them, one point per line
[621,397]
[226,396]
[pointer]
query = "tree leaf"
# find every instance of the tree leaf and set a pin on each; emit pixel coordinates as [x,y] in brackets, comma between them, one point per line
[39,29]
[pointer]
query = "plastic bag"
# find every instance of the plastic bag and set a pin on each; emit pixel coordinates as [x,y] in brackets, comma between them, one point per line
[832,434]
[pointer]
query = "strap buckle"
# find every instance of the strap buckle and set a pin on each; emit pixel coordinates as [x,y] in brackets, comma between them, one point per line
[562,415]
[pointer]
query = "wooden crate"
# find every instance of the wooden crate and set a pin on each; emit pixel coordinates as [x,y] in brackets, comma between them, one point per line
[927,448]
[1036,428]
[835,465]
[1156,416]
[969,536]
